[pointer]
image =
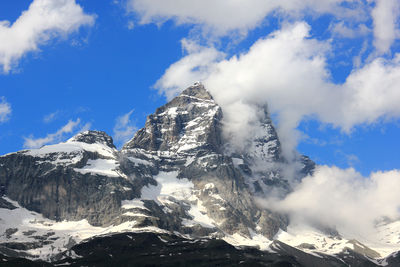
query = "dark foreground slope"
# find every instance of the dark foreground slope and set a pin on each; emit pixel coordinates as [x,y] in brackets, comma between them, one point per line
[155,249]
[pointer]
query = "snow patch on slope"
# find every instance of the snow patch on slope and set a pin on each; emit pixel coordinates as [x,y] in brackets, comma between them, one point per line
[199,216]
[168,185]
[137,161]
[256,240]
[107,167]
[133,204]
[72,147]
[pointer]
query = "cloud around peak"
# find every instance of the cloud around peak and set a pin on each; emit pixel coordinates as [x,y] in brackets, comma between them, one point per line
[288,72]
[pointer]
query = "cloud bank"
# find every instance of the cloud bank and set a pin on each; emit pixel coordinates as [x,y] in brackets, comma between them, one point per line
[43,21]
[343,199]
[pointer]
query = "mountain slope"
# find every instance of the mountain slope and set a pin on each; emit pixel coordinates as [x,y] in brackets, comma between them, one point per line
[179,174]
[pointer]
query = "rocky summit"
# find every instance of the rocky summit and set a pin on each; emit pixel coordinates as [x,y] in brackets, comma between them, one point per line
[176,191]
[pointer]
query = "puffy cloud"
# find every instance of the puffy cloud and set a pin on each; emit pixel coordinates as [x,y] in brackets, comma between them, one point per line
[385,15]
[44,20]
[5,110]
[340,198]
[124,128]
[370,94]
[226,16]
[287,71]
[31,142]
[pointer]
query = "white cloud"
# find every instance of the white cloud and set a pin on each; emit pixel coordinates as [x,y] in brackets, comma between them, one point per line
[288,72]
[225,16]
[124,128]
[31,142]
[340,198]
[44,20]
[385,15]
[370,94]
[5,110]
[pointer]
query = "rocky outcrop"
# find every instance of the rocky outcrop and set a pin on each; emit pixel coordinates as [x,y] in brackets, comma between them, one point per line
[94,137]
[188,123]
[48,180]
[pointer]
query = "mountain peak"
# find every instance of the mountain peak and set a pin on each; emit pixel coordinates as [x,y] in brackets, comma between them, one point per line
[197,90]
[188,122]
[91,137]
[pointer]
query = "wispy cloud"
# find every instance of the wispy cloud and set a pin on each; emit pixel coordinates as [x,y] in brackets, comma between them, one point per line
[339,198]
[43,21]
[124,128]
[130,25]
[71,126]
[50,117]
[342,30]
[5,110]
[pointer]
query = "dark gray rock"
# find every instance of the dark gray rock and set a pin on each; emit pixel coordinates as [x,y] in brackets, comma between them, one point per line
[58,191]
[10,231]
[306,246]
[4,204]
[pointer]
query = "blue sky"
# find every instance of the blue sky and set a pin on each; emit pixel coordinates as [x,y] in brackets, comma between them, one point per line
[106,65]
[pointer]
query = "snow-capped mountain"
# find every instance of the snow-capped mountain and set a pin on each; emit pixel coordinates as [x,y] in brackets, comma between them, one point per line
[178,180]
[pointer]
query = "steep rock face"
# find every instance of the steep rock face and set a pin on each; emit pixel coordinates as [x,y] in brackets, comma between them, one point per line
[189,122]
[185,135]
[63,181]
